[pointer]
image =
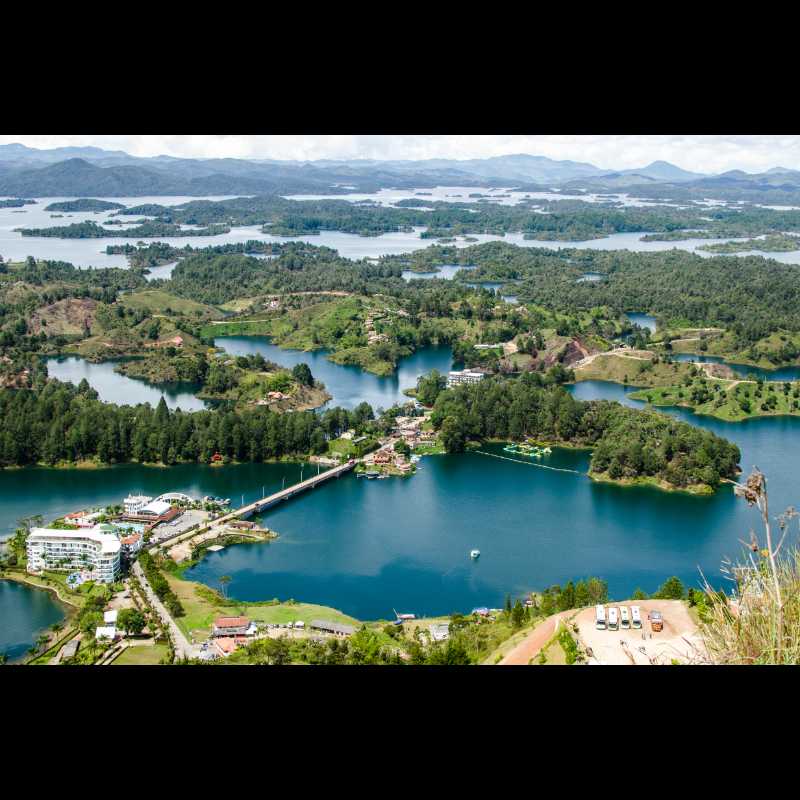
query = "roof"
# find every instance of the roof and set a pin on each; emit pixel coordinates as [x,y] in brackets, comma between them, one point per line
[439,631]
[226,646]
[231,622]
[334,627]
[157,508]
[106,632]
[110,544]
[132,539]
[110,617]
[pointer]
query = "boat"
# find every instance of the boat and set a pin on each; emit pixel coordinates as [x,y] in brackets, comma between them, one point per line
[474,553]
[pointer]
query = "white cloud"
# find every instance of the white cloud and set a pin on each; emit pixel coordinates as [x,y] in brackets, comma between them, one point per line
[698,153]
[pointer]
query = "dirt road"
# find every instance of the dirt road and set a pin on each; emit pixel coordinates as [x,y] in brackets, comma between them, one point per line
[530,646]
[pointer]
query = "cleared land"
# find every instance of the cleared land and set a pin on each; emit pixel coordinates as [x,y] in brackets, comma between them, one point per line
[677,642]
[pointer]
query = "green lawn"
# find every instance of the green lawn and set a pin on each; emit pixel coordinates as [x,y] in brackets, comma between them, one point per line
[141,655]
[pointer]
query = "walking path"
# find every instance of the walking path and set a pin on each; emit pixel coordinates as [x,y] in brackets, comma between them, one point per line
[182,647]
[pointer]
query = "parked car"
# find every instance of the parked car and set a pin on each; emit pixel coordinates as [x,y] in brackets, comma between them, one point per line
[656,621]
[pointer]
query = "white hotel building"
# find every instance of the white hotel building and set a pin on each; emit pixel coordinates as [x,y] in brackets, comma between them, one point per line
[69,551]
[464,376]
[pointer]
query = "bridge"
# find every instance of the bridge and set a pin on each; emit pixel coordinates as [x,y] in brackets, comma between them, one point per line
[267,502]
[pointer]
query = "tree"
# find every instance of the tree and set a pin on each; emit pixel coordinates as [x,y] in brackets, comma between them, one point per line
[302,373]
[671,589]
[131,620]
[517,615]
[223,582]
[400,446]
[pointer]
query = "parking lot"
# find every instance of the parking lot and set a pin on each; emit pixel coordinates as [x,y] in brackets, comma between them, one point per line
[168,530]
[676,642]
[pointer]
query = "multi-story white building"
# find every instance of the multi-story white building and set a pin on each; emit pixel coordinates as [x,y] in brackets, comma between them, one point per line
[465,376]
[67,551]
[134,503]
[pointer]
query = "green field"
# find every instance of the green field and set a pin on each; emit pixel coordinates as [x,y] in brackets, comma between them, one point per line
[141,655]
[154,301]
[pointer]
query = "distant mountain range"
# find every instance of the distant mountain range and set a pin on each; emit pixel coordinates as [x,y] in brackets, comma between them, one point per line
[94,172]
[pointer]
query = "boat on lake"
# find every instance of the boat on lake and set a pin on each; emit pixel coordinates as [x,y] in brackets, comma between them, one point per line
[473,554]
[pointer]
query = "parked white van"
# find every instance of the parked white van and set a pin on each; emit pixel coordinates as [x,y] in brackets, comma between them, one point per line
[600,618]
[613,616]
[636,617]
[624,618]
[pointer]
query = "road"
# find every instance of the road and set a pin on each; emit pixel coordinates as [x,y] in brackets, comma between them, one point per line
[530,646]
[182,647]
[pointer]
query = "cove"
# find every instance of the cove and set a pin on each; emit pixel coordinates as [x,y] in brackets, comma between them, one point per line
[25,613]
[348,385]
[112,387]
[745,370]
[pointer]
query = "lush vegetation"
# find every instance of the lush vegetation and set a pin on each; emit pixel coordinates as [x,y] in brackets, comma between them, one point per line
[159,585]
[627,444]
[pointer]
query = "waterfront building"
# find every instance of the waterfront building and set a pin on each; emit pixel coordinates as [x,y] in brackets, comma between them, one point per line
[156,511]
[134,503]
[70,551]
[464,376]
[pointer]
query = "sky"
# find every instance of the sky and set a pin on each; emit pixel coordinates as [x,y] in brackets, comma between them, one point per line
[698,153]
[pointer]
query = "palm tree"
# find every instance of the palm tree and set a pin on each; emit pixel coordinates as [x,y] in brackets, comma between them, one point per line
[223,582]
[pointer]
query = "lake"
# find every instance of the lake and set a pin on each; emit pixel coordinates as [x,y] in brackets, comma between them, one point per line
[25,613]
[643,320]
[91,252]
[120,389]
[370,546]
[348,385]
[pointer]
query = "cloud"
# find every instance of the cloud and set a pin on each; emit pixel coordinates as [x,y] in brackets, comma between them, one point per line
[716,153]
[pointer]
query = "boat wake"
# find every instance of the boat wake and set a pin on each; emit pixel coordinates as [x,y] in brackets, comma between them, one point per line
[526,463]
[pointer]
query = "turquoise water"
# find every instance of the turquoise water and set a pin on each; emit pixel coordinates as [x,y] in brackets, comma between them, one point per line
[370,546]
[25,613]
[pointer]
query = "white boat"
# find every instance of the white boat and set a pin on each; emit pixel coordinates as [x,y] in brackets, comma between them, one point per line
[474,553]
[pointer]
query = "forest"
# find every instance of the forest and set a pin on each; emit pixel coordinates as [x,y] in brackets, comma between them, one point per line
[626,443]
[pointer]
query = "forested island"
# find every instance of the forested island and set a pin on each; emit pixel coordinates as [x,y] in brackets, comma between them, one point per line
[91,230]
[16,202]
[628,445]
[84,204]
